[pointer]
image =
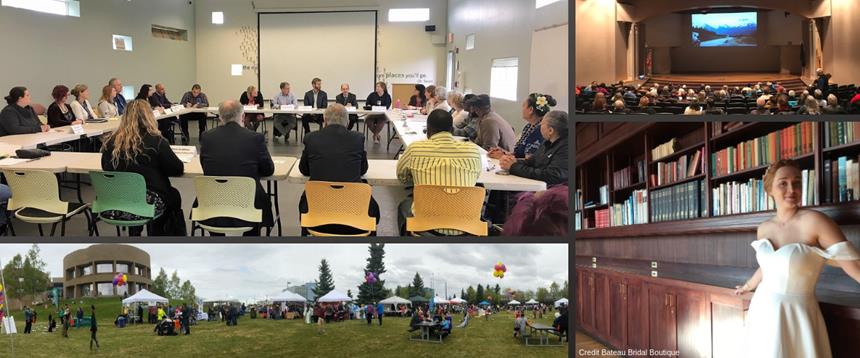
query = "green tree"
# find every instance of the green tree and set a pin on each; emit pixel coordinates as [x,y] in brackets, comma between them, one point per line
[554,292]
[471,295]
[462,294]
[159,284]
[325,282]
[543,295]
[25,275]
[479,294]
[188,293]
[370,293]
[417,286]
[349,293]
[565,291]
[174,286]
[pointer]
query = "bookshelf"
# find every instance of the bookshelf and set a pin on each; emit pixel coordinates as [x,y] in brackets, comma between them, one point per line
[726,200]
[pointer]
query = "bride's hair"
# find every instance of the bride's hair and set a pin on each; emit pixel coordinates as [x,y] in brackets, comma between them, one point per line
[773,168]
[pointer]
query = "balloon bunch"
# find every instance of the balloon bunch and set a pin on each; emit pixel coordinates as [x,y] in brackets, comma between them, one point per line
[499,270]
[120,279]
[370,278]
[2,297]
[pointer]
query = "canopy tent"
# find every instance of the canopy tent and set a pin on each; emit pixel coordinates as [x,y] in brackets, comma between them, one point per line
[394,300]
[287,296]
[483,303]
[560,302]
[144,296]
[418,299]
[457,301]
[334,296]
[439,300]
[531,302]
[514,303]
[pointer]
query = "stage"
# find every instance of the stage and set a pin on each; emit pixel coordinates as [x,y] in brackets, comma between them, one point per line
[732,79]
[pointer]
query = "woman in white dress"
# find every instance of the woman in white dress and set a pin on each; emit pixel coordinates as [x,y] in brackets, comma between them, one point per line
[784,319]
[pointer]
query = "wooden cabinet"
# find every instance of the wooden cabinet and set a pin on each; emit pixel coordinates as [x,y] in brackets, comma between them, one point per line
[637,314]
[693,324]
[601,303]
[662,319]
[586,299]
[618,311]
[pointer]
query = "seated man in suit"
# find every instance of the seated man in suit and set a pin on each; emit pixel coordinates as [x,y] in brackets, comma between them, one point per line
[316,98]
[159,99]
[348,100]
[335,154]
[232,150]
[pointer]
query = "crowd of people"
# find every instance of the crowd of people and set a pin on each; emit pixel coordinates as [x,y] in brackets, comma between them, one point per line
[762,98]
[141,144]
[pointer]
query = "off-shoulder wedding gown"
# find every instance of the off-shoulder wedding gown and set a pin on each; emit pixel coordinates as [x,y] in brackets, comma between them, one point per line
[784,319]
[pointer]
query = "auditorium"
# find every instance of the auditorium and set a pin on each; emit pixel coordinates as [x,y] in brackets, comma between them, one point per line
[759,57]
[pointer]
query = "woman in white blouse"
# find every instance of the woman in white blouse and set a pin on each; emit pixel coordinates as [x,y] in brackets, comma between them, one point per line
[455,99]
[107,104]
[442,99]
[81,105]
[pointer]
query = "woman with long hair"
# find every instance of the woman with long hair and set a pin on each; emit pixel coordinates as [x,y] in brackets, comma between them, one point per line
[784,318]
[137,146]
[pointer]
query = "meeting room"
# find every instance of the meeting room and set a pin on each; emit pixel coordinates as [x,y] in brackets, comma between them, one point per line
[284,118]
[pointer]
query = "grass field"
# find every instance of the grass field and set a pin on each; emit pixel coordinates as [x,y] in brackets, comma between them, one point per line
[268,338]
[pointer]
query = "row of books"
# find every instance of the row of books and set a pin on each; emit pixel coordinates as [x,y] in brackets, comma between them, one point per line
[782,144]
[577,200]
[842,180]
[624,177]
[577,221]
[838,133]
[679,202]
[750,196]
[601,218]
[664,149]
[718,128]
[684,167]
[604,194]
[633,210]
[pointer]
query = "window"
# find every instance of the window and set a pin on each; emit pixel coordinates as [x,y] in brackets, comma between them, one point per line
[122,43]
[169,33]
[236,70]
[503,78]
[128,93]
[86,290]
[56,7]
[217,17]
[449,74]
[470,42]
[120,290]
[86,270]
[70,274]
[105,288]
[541,3]
[409,15]
[122,268]
[105,267]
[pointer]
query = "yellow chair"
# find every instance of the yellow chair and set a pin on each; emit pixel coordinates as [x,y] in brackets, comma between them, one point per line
[36,200]
[225,197]
[447,207]
[335,203]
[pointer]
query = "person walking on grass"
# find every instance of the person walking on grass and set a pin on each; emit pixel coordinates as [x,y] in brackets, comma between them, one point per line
[28,320]
[93,328]
[66,320]
[380,309]
[369,314]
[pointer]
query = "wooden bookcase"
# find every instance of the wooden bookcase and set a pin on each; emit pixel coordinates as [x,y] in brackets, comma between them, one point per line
[621,144]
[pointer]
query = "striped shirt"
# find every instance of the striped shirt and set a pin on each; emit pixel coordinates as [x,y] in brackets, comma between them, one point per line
[440,160]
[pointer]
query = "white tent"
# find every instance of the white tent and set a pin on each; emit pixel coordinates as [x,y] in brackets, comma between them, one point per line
[394,300]
[561,301]
[334,296]
[531,302]
[514,303]
[144,296]
[439,300]
[457,301]
[287,296]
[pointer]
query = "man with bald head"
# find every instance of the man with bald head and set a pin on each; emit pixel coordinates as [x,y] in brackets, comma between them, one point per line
[347,99]
[233,150]
[159,99]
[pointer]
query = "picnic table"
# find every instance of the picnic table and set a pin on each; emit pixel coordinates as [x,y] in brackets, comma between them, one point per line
[542,331]
[427,329]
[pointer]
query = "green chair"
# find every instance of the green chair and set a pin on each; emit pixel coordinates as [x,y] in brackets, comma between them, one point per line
[36,200]
[122,191]
[225,197]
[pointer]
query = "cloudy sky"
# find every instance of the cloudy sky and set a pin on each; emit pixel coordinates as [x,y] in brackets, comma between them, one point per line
[248,271]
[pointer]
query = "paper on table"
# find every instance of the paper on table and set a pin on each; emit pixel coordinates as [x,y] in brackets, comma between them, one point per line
[250,108]
[351,109]
[378,108]
[184,149]
[12,161]
[185,158]
[287,107]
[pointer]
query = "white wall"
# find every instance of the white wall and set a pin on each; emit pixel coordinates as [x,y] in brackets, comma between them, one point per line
[503,28]
[42,50]
[404,49]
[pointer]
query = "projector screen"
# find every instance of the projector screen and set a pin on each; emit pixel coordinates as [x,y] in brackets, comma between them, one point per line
[726,29]
[337,47]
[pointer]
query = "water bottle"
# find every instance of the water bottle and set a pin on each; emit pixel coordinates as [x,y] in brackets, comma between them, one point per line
[397,104]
